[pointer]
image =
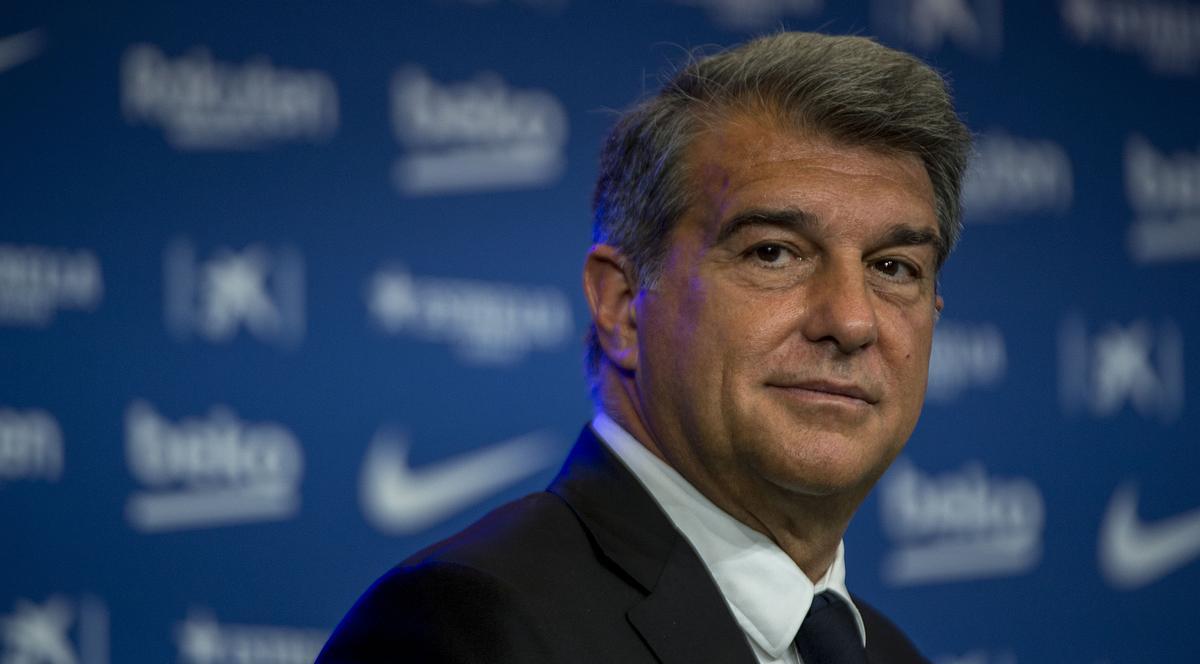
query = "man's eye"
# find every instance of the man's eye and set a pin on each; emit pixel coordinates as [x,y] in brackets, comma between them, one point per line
[773,254]
[896,270]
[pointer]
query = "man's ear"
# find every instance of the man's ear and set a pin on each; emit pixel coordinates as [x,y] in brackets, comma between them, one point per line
[610,289]
[938,305]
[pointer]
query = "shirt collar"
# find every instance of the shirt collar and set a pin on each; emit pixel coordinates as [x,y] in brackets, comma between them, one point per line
[767,592]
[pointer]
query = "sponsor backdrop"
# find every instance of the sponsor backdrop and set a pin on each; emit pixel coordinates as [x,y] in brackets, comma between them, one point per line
[289,290]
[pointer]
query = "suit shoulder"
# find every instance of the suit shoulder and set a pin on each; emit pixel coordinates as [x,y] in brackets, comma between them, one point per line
[437,611]
[885,641]
[527,533]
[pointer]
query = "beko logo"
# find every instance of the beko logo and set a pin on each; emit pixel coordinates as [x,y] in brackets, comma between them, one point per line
[203,640]
[477,135]
[31,446]
[1139,364]
[965,355]
[485,322]
[37,282]
[1165,34]
[209,471]
[962,524]
[204,104]
[1011,176]
[56,631]
[258,289]
[1164,192]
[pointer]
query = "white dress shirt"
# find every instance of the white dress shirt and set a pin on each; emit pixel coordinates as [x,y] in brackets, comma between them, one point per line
[768,594]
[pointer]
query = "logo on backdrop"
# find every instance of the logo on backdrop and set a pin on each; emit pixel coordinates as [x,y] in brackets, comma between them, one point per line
[978,657]
[485,322]
[1164,192]
[965,355]
[397,498]
[258,289]
[56,631]
[31,446]
[38,282]
[19,48]
[209,471]
[1134,553]
[974,26]
[753,14]
[205,104]
[1012,176]
[477,135]
[1165,34]
[962,524]
[203,640]
[1137,365]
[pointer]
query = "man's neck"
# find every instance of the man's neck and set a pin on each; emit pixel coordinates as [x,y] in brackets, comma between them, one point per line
[807,528]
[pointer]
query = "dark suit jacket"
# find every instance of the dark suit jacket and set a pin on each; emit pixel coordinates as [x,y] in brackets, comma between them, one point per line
[590,570]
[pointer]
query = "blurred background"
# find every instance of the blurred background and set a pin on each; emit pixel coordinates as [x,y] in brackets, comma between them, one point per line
[289,290]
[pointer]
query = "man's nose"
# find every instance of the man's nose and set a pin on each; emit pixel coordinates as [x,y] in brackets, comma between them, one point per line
[841,308]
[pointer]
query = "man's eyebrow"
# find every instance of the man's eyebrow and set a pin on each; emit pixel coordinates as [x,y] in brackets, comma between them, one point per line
[904,235]
[793,219]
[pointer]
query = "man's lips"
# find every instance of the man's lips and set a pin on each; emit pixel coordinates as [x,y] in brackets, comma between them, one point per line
[819,388]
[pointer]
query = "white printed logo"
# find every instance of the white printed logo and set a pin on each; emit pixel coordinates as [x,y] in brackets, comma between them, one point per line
[31,446]
[1138,364]
[397,498]
[204,104]
[960,525]
[202,640]
[1012,176]
[211,471]
[37,282]
[19,48]
[485,322]
[965,355]
[975,26]
[978,657]
[257,289]
[1164,192]
[1133,553]
[753,14]
[42,633]
[1165,34]
[478,135]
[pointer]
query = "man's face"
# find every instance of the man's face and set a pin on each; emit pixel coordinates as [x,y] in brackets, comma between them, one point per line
[786,344]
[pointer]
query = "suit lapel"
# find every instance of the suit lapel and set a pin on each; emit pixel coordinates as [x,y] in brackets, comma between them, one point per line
[683,617]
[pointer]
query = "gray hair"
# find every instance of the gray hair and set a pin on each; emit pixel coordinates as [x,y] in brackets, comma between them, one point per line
[851,89]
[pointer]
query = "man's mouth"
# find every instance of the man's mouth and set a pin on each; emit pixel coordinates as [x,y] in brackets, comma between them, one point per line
[834,391]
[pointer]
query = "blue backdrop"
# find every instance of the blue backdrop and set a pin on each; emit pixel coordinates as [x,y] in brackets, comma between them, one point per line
[290,290]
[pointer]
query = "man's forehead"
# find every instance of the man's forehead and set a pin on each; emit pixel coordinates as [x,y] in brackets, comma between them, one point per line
[749,160]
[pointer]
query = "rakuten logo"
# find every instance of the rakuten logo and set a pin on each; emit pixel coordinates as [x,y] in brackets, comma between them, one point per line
[205,104]
[1012,176]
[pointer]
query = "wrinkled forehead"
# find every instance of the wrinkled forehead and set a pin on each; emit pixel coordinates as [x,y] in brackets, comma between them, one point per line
[759,156]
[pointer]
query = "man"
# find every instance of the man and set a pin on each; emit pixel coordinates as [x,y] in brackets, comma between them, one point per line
[768,232]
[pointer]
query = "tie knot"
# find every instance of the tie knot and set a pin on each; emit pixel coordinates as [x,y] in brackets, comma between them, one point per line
[829,634]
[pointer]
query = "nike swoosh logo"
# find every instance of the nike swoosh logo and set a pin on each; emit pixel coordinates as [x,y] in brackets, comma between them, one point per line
[1134,553]
[20,48]
[399,499]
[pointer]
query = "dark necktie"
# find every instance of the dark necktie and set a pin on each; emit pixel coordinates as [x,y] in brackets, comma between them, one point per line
[829,634]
